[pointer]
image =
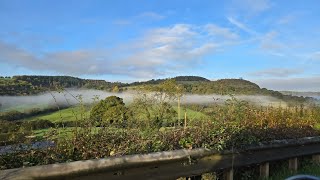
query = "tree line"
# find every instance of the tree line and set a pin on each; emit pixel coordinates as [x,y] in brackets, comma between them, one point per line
[27,85]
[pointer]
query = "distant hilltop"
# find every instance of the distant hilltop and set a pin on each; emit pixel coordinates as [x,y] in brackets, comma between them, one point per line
[30,84]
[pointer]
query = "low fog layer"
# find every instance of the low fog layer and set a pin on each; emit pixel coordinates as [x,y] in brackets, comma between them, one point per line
[71,97]
[219,99]
[65,98]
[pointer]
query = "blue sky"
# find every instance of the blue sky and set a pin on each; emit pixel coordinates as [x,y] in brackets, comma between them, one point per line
[273,43]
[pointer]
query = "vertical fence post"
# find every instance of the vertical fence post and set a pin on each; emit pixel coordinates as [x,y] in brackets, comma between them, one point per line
[264,170]
[185,120]
[316,158]
[293,164]
[228,174]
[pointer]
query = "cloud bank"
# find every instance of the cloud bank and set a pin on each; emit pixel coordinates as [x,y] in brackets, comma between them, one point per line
[157,52]
[293,84]
[71,97]
[277,72]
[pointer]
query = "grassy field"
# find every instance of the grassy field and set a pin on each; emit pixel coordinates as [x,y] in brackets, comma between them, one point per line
[191,114]
[76,113]
[69,114]
[57,133]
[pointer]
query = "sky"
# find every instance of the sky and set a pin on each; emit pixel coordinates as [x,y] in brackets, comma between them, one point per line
[275,44]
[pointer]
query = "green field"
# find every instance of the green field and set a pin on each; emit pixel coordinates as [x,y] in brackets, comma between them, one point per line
[77,113]
[69,114]
[191,114]
[56,133]
[59,133]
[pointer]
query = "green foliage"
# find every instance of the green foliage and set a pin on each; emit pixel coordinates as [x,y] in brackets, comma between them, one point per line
[63,115]
[149,124]
[112,110]
[199,85]
[184,79]
[152,104]
[27,85]
[11,86]
[11,115]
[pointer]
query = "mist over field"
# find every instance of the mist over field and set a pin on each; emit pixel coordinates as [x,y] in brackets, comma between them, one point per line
[73,96]
[68,97]
[220,99]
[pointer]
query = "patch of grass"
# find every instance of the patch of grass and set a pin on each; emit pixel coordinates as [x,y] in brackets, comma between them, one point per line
[54,133]
[191,114]
[59,133]
[69,114]
[40,133]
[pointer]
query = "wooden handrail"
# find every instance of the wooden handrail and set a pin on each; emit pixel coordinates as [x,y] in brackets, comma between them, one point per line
[169,164]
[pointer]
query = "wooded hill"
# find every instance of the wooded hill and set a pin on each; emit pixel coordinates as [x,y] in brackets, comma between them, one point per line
[26,85]
[200,85]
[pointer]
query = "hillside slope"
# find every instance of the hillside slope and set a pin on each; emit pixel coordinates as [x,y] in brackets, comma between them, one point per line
[28,85]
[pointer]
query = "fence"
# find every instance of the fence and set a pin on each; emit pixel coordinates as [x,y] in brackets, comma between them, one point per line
[175,164]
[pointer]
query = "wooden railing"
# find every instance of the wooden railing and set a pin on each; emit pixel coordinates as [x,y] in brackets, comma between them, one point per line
[174,164]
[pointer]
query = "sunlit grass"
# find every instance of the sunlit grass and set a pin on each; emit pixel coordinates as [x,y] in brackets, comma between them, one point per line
[317,126]
[58,133]
[69,114]
[191,114]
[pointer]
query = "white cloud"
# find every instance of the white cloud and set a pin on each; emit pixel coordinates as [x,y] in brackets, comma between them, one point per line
[270,44]
[251,7]
[142,17]
[257,5]
[277,72]
[315,56]
[169,49]
[285,19]
[295,84]
[159,51]
[241,25]
[218,31]
[122,22]
[204,49]
[151,15]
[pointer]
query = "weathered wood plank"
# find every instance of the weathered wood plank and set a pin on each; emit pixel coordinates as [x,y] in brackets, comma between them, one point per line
[264,170]
[228,174]
[316,158]
[293,164]
[162,165]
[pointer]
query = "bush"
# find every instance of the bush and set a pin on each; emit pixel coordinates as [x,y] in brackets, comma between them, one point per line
[112,110]
[38,124]
[11,115]
[6,126]
[13,138]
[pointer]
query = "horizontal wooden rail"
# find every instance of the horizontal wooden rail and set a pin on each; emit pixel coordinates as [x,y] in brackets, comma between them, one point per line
[168,164]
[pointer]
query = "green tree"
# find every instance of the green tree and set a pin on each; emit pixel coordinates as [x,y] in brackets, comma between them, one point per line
[152,105]
[115,89]
[111,110]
